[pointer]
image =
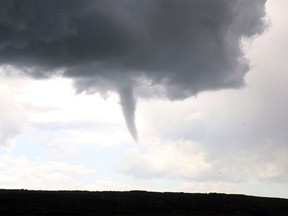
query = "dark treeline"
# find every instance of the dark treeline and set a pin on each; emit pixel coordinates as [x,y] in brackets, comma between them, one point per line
[23,202]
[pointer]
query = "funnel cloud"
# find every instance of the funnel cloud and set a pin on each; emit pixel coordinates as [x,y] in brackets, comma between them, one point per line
[128,104]
[165,48]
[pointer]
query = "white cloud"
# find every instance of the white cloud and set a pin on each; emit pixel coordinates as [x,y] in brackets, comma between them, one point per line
[67,120]
[176,160]
[12,118]
[206,187]
[21,172]
[54,101]
[18,172]
[66,143]
[120,185]
[187,160]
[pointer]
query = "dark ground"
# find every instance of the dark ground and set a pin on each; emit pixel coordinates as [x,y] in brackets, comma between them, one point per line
[23,202]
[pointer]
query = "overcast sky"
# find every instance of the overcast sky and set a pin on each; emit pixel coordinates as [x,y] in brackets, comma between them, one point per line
[210,112]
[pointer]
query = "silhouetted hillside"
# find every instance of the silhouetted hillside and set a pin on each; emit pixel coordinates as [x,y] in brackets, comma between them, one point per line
[23,202]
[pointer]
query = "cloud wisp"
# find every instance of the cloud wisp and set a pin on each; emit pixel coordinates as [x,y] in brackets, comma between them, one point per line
[176,48]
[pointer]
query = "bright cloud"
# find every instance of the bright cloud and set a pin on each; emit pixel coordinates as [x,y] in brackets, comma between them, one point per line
[21,172]
[12,117]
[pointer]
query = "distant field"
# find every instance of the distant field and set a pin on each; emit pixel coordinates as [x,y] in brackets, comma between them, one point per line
[24,202]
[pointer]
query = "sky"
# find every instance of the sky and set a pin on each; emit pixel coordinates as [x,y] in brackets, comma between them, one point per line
[152,95]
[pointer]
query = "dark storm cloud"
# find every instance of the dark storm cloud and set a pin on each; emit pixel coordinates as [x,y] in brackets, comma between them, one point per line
[186,46]
[181,47]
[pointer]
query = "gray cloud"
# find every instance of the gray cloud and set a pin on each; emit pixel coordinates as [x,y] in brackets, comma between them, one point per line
[181,47]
